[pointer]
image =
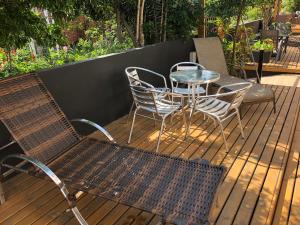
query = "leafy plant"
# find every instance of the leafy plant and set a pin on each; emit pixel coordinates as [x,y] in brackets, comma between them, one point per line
[266,45]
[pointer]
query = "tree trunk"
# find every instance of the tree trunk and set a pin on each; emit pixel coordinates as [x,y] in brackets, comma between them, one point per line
[165,22]
[277,7]
[139,35]
[137,29]
[201,27]
[119,24]
[129,30]
[141,29]
[239,16]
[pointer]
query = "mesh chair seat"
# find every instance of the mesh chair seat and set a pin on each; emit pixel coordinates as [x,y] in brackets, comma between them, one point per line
[181,191]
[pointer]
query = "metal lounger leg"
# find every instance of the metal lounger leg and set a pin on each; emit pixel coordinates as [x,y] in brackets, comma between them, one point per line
[131,129]
[2,197]
[274,105]
[53,177]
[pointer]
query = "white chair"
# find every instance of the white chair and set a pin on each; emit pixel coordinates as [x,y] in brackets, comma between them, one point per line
[147,100]
[218,109]
[132,73]
[187,91]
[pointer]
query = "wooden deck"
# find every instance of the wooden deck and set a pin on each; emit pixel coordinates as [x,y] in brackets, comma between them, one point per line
[261,186]
[289,63]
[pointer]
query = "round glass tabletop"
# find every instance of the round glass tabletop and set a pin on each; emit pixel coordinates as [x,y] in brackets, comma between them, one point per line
[194,76]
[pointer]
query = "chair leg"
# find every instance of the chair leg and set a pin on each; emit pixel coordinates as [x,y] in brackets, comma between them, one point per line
[153,114]
[223,134]
[2,197]
[131,129]
[240,123]
[131,109]
[160,133]
[78,216]
[187,132]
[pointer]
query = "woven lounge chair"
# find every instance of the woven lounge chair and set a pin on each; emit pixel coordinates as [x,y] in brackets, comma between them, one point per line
[210,54]
[178,190]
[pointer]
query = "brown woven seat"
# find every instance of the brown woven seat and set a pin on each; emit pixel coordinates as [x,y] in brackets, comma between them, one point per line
[178,190]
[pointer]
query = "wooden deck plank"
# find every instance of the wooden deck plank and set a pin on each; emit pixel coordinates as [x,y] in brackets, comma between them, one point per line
[236,163]
[284,203]
[265,207]
[262,162]
[294,217]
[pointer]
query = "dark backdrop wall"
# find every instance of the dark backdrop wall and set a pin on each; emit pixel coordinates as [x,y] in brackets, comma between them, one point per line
[97,89]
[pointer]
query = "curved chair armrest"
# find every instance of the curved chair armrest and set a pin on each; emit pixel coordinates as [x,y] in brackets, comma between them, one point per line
[169,94]
[246,84]
[151,72]
[95,125]
[161,76]
[52,176]
[36,163]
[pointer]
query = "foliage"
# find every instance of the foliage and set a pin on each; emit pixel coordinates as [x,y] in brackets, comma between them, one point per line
[266,44]
[290,6]
[85,29]
[23,61]
[183,19]
[76,28]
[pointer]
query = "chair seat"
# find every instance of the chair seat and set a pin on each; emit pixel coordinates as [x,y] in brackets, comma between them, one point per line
[164,107]
[257,93]
[188,91]
[141,179]
[212,106]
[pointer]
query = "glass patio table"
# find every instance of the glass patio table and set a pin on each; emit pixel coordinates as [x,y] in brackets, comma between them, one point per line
[193,78]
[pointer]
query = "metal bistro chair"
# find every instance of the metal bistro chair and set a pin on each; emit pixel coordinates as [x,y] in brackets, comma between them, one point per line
[187,91]
[217,108]
[132,73]
[147,99]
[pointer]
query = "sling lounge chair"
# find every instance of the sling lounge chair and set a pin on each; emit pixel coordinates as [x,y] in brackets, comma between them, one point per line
[178,190]
[210,54]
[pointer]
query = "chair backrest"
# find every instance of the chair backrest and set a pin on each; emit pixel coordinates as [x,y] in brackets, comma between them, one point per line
[272,34]
[186,66]
[144,97]
[133,76]
[134,79]
[34,119]
[283,18]
[284,28]
[211,55]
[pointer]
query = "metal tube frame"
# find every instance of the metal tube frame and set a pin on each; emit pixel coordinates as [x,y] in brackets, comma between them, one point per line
[50,174]
[71,198]
[95,125]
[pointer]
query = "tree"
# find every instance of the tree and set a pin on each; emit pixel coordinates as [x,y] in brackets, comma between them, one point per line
[234,10]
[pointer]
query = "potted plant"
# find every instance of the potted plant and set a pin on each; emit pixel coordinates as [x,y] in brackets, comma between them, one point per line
[267,45]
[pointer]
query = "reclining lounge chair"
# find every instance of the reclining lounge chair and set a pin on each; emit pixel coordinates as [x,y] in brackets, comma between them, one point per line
[178,190]
[210,54]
